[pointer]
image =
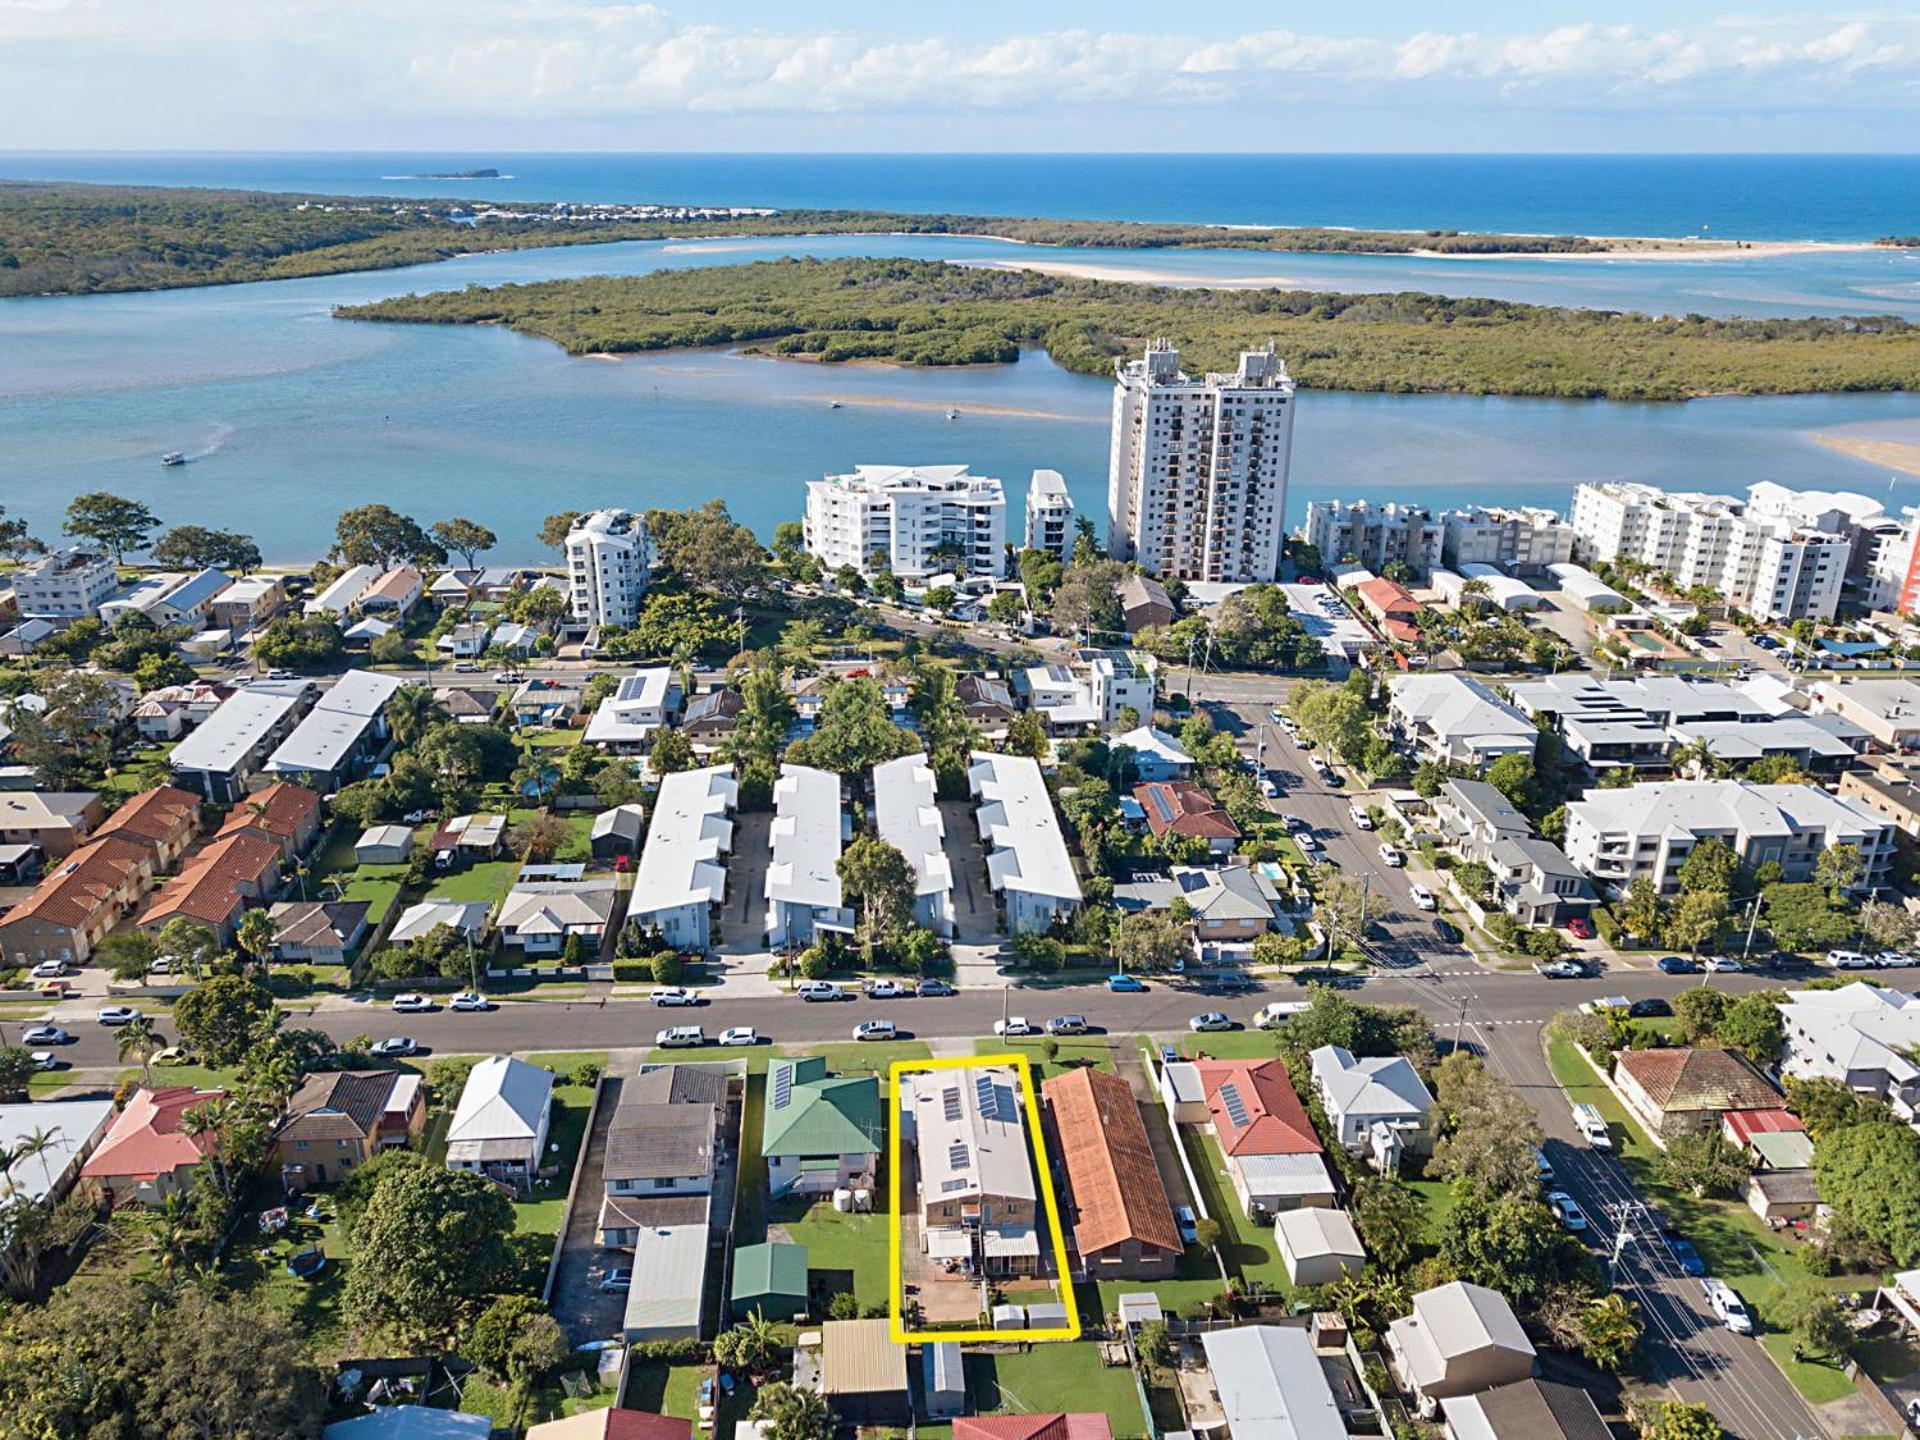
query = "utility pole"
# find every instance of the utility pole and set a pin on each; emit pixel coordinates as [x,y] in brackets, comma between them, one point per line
[1753,919]
[1460,1022]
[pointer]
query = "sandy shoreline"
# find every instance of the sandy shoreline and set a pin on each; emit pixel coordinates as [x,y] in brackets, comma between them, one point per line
[1901,455]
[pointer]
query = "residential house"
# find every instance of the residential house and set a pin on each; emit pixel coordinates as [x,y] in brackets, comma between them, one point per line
[540,702]
[1393,606]
[1532,879]
[383,845]
[863,1373]
[169,711]
[1318,1245]
[641,704]
[1182,808]
[467,839]
[682,878]
[361,634]
[465,917]
[288,815]
[163,819]
[1686,1091]
[465,641]
[228,749]
[318,933]
[539,917]
[141,596]
[1376,1105]
[516,639]
[71,1129]
[1272,1152]
[978,1203]
[344,733]
[1456,718]
[1028,866]
[248,603]
[1780,1196]
[672,1256]
[71,910]
[394,594]
[1271,1384]
[26,637]
[616,833]
[1144,603]
[819,1132]
[907,816]
[1156,754]
[616,1422]
[499,1128]
[58,821]
[217,883]
[1863,1036]
[662,1145]
[340,1119]
[989,702]
[151,1150]
[1231,904]
[1116,1206]
[769,1280]
[465,586]
[469,706]
[1528,1409]
[803,893]
[1459,1340]
[343,592]
[21,864]
[710,718]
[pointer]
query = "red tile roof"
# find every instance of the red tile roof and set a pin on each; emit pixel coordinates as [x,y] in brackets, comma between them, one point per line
[215,882]
[1277,1123]
[1745,1124]
[1117,1191]
[1388,597]
[615,1424]
[1185,809]
[83,884]
[155,816]
[147,1138]
[1694,1080]
[1080,1426]
[281,810]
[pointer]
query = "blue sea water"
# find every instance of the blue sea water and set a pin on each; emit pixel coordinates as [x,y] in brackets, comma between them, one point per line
[1774,197]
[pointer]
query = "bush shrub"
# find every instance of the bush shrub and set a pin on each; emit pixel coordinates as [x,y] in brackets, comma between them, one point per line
[633,970]
[668,968]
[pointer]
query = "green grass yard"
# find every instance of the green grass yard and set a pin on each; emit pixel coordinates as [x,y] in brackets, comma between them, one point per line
[1248,1249]
[1073,1054]
[1054,1376]
[488,882]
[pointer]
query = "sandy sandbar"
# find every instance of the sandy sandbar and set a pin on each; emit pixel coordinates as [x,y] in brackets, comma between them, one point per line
[1901,455]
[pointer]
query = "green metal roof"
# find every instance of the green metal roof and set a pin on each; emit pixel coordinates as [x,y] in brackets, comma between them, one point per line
[810,1113]
[769,1269]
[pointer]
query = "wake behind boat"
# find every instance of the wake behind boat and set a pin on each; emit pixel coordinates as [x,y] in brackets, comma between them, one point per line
[174,457]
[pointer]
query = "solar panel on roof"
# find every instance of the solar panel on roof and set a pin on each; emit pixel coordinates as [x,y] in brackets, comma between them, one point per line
[950,1102]
[983,1092]
[957,1156]
[782,1086]
[1236,1106]
[1162,806]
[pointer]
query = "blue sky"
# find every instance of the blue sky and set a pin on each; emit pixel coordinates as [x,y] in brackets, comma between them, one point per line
[1500,75]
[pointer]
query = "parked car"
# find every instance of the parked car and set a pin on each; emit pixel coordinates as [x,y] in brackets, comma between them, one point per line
[469,1000]
[740,1035]
[466,667]
[1423,898]
[1580,928]
[45,1060]
[1724,1303]
[411,1003]
[821,990]
[680,1037]
[1211,1020]
[44,1035]
[1391,857]
[1267,788]
[1275,716]
[1677,965]
[1188,1223]
[1067,1025]
[1125,984]
[1012,1025]
[1306,841]
[936,987]
[279,674]
[874,1030]
[396,1045]
[1567,1210]
[673,995]
[883,989]
[1651,1006]
[1685,1256]
[1722,964]
[1895,959]
[417,817]
[49,970]
[617,1281]
[1558,969]
[1542,1166]
[1360,818]
[1273,1016]
[117,1015]
[1849,960]
[174,1055]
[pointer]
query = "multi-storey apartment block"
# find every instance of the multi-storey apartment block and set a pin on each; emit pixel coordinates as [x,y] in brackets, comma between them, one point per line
[1049,515]
[609,561]
[1521,542]
[1375,536]
[65,585]
[915,520]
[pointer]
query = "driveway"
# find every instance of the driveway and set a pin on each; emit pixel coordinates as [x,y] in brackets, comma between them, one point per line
[1126,1060]
[745,915]
[583,1312]
[976,916]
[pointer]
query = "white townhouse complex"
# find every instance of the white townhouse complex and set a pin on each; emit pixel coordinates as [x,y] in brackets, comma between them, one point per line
[803,878]
[915,520]
[1617,836]
[907,816]
[1050,515]
[66,584]
[1778,555]
[1027,862]
[1197,480]
[1457,718]
[682,878]
[1523,541]
[1374,536]
[1864,1036]
[609,561]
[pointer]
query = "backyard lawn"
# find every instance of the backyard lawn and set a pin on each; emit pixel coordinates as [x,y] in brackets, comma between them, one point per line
[1052,1376]
[1247,1248]
[545,1210]
[334,869]
[487,881]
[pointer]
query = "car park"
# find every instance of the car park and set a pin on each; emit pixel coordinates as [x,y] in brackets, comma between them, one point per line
[1013,1025]
[1558,969]
[1067,1025]
[117,1015]
[469,1000]
[821,990]
[936,987]
[673,995]
[1677,965]
[1423,898]
[1361,819]
[1211,1020]
[1188,1224]
[680,1037]
[874,1030]
[1567,1210]
[411,1003]
[1125,984]
[1391,857]
[617,1281]
[1728,1306]
[396,1046]
[740,1035]
[44,1035]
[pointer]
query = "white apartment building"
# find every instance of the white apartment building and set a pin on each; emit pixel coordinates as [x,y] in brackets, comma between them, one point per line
[1522,541]
[66,584]
[1197,480]
[1456,718]
[609,561]
[906,814]
[1092,689]
[916,520]
[1617,836]
[803,893]
[682,878]
[1779,555]
[1050,515]
[1027,862]
[1374,536]
[1863,1036]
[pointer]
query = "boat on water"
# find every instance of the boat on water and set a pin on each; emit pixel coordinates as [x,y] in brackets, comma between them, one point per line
[833,404]
[953,414]
[174,457]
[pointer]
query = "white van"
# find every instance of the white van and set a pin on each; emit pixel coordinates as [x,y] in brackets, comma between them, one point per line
[1273,1016]
[1593,1125]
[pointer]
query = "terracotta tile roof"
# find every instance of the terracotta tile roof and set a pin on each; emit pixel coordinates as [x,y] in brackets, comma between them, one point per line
[1117,1191]
[212,884]
[283,809]
[1057,1426]
[614,1424]
[147,1139]
[340,1105]
[1388,597]
[1680,1080]
[153,816]
[396,584]
[1276,1123]
[83,884]
[1185,809]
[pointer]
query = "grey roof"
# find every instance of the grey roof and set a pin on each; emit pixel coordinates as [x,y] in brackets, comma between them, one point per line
[665,1124]
[673,1258]
[1483,804]
[196,590]
[1373,1085]
[335,724]
[942,1369]
[229,735]
[69,1124]
[1271,1384]
[1528,1409]
[626,821]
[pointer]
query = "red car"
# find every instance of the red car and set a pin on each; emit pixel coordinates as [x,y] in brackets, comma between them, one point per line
[1580,928]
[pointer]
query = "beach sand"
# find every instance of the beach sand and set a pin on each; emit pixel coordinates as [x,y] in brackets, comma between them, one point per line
[1139,275]
[1901,455]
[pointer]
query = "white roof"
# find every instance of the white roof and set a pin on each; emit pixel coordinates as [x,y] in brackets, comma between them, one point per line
[469,916]
[681,863]
[249,588]
[878,479]
[908,818]
[70,1125]
[368,627]
[1149,741]
[1316,1230]
[1376,1085]
[334,726]
[385,835]
[637,707]
[1271,1384]
[504,1099]
[349,587]
[970,1134]
[1016,818]
[1688,807]
[1463,713]
[806,837]
[1859,1026]
[1455,1320]
[1286,1174]
[1506,592]
[230,734]
[673,1260]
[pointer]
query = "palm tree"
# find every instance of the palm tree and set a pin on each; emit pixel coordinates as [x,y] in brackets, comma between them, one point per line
[413,710]
[533,777]
[173,1234]
[26,1148]
[255,934]
[138,1037]
[213,1118]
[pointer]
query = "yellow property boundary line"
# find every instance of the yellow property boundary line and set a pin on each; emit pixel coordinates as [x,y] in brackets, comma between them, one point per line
[896,1319]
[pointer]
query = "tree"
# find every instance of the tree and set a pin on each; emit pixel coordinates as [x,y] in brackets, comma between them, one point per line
[255,935]
[1509,1243]
[1682,1420]
[441,1236]
[514,1339]
[71,738]
[1752,1025]
[1702,1165]
[1870,1173]
[1149,940]
[1340,910]
[1154,1344]
[714,553]
[115,524]
[1886,927]
[127,954]
[1827,1107]
[1804,918]
[555,528]
[1698,1013]
[793,1413]
[1608,1331]
[1712,865]
[412,712]
[854,730]
[752,1345]
[465,538]
[15,542]
[1817,1319]
[672,751]
[220,1018]
[311,643]
[188,945]
[1390,1218]
[1515,777]
[1027,735]
[195,547]
[1838,868]
[1643,910]
[139,1039]
[380,535]
[1696,919]
[1088,598]
[878,878]
[1490,1131]
[17,1070]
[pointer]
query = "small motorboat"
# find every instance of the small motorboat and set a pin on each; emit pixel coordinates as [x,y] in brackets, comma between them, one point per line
[833,404]
[953,414]
[174,457]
